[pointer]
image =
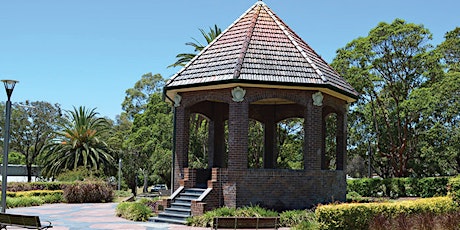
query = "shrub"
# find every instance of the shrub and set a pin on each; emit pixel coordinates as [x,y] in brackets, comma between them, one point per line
[25,186]
[134,211]
[354,197]
[370,187]
[359,216]
[88,192]
[399,187]
[433,186]
[40,193]
[152,204]
[454,189]
[53,198]
[79,174]
[298,219]
[206,220]
[15,202]
[123,193]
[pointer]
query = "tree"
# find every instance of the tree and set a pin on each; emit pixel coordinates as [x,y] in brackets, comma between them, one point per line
[150,140]
[450,50]
[78,143]
[184,58]
[139,151]
[136,98]
[33,124]
[385,68]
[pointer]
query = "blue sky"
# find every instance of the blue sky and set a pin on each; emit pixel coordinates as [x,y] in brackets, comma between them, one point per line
[88,52]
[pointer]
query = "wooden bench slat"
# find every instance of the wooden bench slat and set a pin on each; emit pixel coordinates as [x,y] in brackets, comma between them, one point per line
[32,222]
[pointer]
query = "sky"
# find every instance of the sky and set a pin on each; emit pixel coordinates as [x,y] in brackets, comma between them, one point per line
[89,52]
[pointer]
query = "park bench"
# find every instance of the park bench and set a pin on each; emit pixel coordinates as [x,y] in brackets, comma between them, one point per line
[30,222]
[245,222]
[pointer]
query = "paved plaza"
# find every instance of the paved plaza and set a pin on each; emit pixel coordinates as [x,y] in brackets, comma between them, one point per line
[89,216]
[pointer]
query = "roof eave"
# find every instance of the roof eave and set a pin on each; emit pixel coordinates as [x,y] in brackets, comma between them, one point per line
[348,96]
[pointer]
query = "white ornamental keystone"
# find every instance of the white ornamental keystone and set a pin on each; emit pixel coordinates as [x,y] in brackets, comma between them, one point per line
[177,100]
[238,94]
[318,99]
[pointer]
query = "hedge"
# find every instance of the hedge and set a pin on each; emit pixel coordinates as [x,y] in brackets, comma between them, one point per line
[454,189]
[88,192]
[357,216]
[399,187]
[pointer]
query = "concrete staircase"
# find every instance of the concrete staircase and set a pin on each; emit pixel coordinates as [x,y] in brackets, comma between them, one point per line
[180,207]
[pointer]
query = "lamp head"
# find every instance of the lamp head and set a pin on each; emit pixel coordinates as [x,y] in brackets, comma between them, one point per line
[9,87]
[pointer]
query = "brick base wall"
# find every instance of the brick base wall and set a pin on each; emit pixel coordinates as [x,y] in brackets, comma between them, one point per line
[288,189]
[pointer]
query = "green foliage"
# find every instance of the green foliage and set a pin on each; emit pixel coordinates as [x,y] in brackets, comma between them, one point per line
[354,197]
[122,193]
[88,192]
[290,139]
[32,127]
[206,220]
[79,143]
[255,144]
[25,201]
[148,146]
[370,187]
[450,50]
[298,219]
[53,198]
[79,174]
[40,193]
[358,216]
[184,58]
[399,187]
[33,198]
[134,211]
[16,158]
[454,189]
[198,144]
[407,113]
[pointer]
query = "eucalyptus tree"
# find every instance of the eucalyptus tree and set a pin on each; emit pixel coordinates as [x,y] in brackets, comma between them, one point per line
[140,153]
[32,127]
[150,141]
[136,98]
[385,68]
[184,58]
[78,143]
[450,50]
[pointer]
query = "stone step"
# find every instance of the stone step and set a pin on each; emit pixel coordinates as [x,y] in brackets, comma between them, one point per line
[167,220]
[180,211]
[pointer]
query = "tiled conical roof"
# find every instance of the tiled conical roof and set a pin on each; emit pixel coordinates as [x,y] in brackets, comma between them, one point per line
[259,48]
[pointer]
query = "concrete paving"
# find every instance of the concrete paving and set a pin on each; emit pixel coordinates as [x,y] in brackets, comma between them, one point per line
[90,216]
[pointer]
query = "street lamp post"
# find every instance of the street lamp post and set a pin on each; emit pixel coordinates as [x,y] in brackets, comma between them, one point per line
[9,87]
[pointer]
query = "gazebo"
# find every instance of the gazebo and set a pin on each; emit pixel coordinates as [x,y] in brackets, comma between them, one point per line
[259,69]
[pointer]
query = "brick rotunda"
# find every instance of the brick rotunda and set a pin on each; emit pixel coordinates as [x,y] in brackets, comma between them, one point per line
[258,69]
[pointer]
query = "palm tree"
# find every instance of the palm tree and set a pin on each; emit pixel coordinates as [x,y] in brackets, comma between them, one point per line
[184,58]
[78,143]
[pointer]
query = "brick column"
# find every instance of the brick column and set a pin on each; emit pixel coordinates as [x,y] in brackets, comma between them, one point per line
[238,125]
[270,150]
[313,136]
[341,139]
[182,141]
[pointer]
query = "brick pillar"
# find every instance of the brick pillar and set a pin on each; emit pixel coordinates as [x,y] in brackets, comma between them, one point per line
[219,143]
[270,150]
[211,151]
[182,141]
[341,140]
[313,136]
[238,125]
